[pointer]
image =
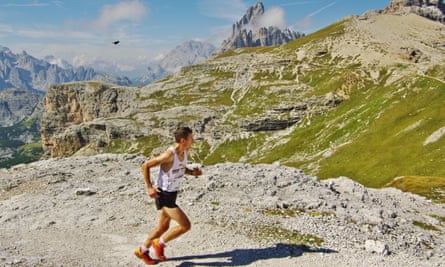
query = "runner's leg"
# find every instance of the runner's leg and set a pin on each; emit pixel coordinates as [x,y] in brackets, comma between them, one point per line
[183,226]
[164,224]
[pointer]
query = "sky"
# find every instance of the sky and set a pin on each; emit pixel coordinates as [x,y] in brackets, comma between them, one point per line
[82,31]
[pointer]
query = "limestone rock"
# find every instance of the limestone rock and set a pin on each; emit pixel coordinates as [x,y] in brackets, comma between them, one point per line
[432,9]
[375,246]
[250,32]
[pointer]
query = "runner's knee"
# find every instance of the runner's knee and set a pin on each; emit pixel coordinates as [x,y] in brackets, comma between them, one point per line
[186,227]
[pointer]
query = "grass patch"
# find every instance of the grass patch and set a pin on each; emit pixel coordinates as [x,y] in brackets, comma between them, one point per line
[426,226]
[280,212]
[427,186]
[144,145]
[441,219]
[294,212]
[279,234]
[233,151]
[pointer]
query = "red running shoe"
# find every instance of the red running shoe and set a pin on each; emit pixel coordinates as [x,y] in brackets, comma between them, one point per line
[144,256]
[159,249]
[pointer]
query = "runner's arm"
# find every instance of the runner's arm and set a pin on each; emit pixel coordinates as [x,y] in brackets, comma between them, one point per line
[164,157]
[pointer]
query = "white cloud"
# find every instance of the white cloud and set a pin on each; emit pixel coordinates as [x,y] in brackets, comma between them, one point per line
[274,16]
[129,10]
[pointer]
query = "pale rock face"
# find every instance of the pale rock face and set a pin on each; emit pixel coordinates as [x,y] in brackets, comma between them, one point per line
[432,9]
[248,32]
[70,109]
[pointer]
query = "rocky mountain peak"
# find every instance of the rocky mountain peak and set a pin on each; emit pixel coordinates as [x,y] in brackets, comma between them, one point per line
[249,32]
[250,18]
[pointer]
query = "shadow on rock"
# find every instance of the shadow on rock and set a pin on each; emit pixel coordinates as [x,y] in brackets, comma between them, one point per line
[240,257]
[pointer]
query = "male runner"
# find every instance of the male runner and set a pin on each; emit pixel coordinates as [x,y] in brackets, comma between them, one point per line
[172,169]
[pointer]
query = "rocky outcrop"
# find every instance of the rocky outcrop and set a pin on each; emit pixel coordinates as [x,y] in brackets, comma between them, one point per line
[432,9]
[248,32]
[270,124]
[27,72]
[70,121]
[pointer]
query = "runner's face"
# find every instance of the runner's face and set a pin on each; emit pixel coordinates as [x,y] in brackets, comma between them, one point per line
[188,141]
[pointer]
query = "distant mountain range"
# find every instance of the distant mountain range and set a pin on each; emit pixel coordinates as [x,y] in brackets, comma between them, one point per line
[24,71]
[188,53]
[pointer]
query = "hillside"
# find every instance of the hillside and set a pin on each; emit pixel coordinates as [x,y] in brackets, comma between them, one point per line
[361,98]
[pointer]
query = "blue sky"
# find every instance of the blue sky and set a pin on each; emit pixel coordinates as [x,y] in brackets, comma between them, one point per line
[82,31]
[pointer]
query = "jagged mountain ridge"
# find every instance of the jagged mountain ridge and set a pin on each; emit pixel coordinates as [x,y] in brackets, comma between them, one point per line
[248,32]
[24,71]
[309,103]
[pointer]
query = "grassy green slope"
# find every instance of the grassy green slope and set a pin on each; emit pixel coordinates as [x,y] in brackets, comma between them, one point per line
[376,135]
[393,143]
[23,153]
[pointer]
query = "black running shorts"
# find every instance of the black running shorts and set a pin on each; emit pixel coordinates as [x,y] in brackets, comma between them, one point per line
[166,199]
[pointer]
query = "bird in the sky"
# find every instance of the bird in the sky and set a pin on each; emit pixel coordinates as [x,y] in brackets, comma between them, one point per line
[116,42]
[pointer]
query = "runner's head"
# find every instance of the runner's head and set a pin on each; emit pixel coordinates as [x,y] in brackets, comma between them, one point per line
[185,135]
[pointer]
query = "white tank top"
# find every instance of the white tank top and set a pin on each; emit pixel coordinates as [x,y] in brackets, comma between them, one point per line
[170,181]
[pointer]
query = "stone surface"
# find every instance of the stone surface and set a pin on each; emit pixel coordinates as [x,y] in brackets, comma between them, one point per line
[95,211]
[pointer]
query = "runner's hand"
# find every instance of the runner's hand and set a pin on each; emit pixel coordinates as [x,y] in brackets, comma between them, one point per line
[196,172]
[153,192]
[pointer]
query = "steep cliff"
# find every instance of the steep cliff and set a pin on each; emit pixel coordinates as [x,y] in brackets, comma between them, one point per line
[76,116]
